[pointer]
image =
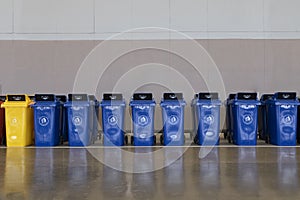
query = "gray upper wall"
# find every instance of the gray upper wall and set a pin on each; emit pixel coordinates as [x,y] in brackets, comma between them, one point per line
[99,19]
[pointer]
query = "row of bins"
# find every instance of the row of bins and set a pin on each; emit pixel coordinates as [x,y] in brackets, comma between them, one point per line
[50,120]
[274,117]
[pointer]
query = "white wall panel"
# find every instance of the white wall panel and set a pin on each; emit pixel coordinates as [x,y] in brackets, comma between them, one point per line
[6,13]
[54,16]
[235,15]
[188,15]
[281,15]
[112,15]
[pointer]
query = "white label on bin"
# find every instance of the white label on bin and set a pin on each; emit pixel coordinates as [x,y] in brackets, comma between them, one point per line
[143,135]
[173,119]
[173,137]
[77,120]
[43,121]
[112,107]
[209,133]
[247,106]
[142,107]
[286,106]
[112,120]
[143,120]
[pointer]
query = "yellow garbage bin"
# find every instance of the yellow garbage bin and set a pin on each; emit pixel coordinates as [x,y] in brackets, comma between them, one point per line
[18,120]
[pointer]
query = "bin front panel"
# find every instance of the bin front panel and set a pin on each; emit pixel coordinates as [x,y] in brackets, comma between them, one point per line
[79,125]
[143,126]
[173,119]
[245,126]
[286,124]
[113,125]
[46,123]
[19,126]
[209,124]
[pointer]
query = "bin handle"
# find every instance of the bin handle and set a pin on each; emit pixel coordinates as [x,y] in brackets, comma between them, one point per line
[285,96]
[247,96]
[208,96]
[142,96]
[113,97]
[173,96]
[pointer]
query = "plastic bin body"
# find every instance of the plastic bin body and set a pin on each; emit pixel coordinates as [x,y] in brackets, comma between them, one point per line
[228,117]
[79,120]
[63,118]
[113,113]
[19,120]
[46,120]
[95,109]
[282,123]
[208,117]
[143,119]
[264,116]
[2,121]
[244,117]
[173,119]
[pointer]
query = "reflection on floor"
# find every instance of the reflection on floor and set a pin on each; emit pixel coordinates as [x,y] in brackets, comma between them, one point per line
[160,173]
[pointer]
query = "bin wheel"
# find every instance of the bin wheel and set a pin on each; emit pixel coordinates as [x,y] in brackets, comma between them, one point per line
[196,140]
[229,139]
[126,140]
[225,134]
[161,139]
[132,140]
[154,139]
[267,140]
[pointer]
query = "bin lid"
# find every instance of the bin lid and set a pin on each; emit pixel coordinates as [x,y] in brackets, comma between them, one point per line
[17,100]
[265,97]
[285,96]
[2,98]
[77,97]
[231,96]
[92,97]
[143,96]
[45,97]
[112,96]
[61,98]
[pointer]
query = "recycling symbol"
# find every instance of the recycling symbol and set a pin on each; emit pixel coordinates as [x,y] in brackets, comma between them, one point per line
[43,121]
[112,120]
[143,120]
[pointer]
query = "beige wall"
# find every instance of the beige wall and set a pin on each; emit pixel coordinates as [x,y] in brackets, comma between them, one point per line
[245,65]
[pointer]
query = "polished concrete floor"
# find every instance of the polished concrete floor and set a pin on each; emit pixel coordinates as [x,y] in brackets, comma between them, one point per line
[227,172]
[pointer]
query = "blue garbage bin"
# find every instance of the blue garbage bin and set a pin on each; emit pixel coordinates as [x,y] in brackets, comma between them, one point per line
[79,120]
[263,134]
[142,108]
[172,106]
[46,120]
[208,118]
[113,112]
[298,123]
[95,110]
[244,118]
[63,123]
[282,113]
[228,118]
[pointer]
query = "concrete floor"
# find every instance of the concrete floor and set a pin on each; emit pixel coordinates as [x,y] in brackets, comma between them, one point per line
[227,172]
